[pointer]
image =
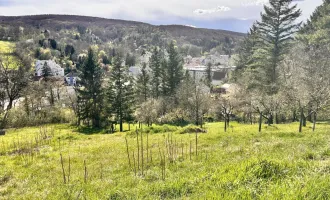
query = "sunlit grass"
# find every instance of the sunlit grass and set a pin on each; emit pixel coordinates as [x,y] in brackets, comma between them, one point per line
[278,163]
[6,53]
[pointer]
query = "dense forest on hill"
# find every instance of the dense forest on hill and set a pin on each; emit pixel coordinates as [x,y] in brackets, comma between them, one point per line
[134,34]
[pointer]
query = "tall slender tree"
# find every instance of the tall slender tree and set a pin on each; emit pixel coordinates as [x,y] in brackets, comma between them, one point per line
[120,94]
[143,84]
[155,65]
[174,70]
[90,93]
[277,26]
[208,78]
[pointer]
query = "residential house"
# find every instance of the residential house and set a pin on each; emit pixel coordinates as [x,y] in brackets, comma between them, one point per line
[71,78]
[219,74]
[55,70]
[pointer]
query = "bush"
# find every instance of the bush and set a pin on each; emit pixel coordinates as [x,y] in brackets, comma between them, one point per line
[18,118]
[177,117]
[191,129]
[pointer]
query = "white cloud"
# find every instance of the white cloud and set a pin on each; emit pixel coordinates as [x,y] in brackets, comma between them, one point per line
[192,26]
[169,11]
[254,2]
[213,10]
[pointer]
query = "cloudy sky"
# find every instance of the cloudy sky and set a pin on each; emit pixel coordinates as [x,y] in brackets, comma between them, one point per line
[236,15]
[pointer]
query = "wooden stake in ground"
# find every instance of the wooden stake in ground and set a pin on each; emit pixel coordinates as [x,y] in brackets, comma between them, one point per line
[190,150]
[196,142]
[142,160]
[129,159]
[85,174]
[69,175]
[63,171]
[138,148]
[147,148]
[134,163]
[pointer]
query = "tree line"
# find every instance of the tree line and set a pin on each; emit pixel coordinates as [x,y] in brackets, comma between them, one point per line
[100,101]
[283,67]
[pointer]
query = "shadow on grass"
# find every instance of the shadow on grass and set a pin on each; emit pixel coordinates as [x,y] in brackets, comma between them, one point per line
[90,131]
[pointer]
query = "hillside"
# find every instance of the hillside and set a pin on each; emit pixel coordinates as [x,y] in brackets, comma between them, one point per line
[129,31]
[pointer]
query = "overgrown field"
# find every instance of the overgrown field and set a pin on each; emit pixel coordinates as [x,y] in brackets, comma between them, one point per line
[6,53]
[278,163]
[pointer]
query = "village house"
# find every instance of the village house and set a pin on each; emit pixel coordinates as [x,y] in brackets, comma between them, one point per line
[55,70]
[215,60]
[71,78]
[219,74]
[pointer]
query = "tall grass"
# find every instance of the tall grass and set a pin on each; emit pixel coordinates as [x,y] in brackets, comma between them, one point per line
[59,162]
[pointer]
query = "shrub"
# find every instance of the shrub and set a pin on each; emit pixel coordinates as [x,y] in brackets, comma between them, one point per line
[19,118]
[191,129]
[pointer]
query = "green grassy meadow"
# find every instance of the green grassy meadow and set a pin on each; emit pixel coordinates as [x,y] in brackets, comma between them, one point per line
[278,163]
[6,53]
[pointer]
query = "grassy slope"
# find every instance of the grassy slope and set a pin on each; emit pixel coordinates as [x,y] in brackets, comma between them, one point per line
[241,164]
[6,50]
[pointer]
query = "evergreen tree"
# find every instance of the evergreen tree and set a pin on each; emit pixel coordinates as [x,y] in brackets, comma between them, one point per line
[90,94]
[46,72]
[120,92]
[163,75]
[315,32]
[130,60]
[156,71]
[317,20]
[208,78]
[247,48]
[278,23]
[143,84]
[174,70]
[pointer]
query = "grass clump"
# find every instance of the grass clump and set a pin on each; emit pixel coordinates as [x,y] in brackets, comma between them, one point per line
[268,170]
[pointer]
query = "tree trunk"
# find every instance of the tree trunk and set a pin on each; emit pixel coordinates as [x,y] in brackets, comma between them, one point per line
[260,122]
[276,118]
[251,119]
[51,97]
[225,124]
[309,117]
[4,121]
[270,119]
[294,116]
[301,119]
[121,125]
[304,121]
[314,121]
[10,104]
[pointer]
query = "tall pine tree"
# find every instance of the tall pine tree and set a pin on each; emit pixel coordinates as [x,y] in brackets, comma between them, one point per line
[277,26]
[143,84]
[174,70]
[90,92]
[120,94]
[208,77]
[155,65]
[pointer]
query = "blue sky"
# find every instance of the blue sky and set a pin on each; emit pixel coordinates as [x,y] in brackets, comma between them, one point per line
[236,15]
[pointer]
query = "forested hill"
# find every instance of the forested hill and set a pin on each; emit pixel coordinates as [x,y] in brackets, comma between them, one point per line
[139,33]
